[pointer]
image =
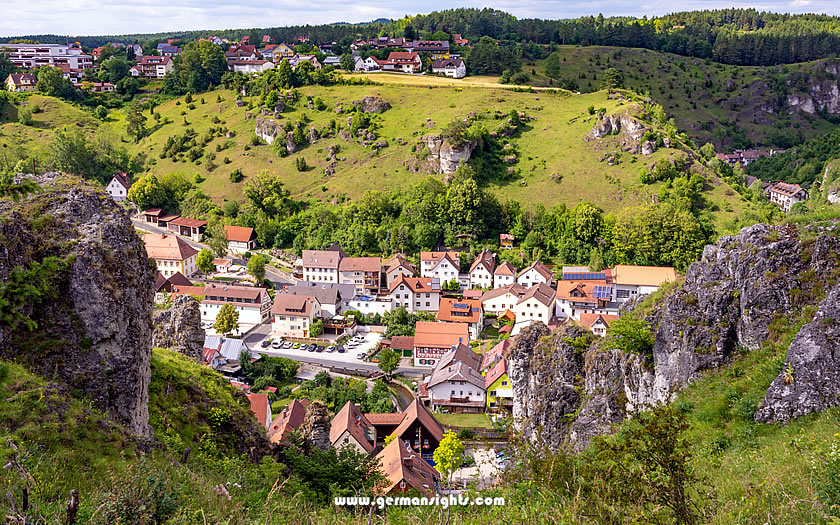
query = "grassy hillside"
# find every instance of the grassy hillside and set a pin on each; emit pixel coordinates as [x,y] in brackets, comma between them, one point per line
[555,164]
[697,92]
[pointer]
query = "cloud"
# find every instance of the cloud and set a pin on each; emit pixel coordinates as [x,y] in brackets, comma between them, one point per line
[103,17]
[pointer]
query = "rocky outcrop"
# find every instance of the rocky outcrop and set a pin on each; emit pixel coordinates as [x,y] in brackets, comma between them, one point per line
[443,156]
[291,146]
[94,334]
[179,328]
[730,297]
[615,124]
[316,427]
[268,129]
[372,104]
[545,373]
[810,379]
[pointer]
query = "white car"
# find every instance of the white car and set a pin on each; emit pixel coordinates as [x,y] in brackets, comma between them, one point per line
[360,355]
[331,348]
[276,344]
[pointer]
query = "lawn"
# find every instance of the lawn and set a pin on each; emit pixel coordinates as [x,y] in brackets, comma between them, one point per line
[464,420]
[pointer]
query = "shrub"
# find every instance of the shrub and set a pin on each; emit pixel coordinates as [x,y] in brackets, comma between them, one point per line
[236,175]
[256,141]
[219,418]
[300,164]
[25,116]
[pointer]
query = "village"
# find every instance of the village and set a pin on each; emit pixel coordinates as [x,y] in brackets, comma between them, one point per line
[323,314]
[242,57]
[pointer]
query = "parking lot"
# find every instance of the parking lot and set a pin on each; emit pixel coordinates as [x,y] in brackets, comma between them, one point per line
[346,359]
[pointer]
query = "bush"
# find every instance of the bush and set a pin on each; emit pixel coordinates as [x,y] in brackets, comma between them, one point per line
[827,471]
[256,141]
[300,164]
[25,116]
[236,175]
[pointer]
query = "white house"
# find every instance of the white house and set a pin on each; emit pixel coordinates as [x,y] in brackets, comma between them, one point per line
[432,340]
[396,266]
[362,272]
[535,273]
[598,324]
[481,271]
[444,265]
[416,294]
[118,187]
[250,66]
[504,275]
[455,384]
[451,67]
[332,298]
[785,195]
[171,254]
[321,266]
[240,238]
[222,353]
[536,304]
[253,304]
[632,281]
[292,315]
[497,300]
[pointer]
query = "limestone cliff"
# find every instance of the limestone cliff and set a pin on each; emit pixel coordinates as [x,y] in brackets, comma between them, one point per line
[573,385]
[179,328]
[445,157]
[94,334]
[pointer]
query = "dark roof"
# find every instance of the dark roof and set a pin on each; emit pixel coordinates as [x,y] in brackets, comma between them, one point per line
[178,279]
[447,62]
[122,178]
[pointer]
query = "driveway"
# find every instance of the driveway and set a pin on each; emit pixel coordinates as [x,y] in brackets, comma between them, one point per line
[485,471]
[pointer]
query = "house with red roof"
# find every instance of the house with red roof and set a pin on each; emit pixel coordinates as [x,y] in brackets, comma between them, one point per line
[253,304]
[415,294]
[482,269]
[598,324]
[18,82]
[362,272]
[504,275]
[240,238]
[535,273]
[403,61]
[171,254]
[466,311]
[261,408]
[290,419]
[498,386]
[293,315]
[455,384]
[404,470]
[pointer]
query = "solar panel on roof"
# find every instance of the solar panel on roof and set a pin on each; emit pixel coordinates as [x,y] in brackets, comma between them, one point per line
[603,292]
[589,276]
[461,306]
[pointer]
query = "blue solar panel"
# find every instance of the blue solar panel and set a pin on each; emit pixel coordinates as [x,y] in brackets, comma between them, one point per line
[590,276]
[461,306]
[603,292]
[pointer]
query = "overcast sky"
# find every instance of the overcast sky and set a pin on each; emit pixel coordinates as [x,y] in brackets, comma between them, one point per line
[102,17]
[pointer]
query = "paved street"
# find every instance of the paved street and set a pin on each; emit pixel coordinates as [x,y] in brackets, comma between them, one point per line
[274,275]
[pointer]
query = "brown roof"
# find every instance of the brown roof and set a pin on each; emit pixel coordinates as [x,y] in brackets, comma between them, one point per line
[160,282]
[495,373]
[385,419]
[459,310]
[644,275]
[396,261]
[505,269]
[462,353]
[122,178]
[402,56]
[291,418]
[153,60]
[17,78]
[514,289]
[402,342]
[178,279]
[290,304]
[321,258]
[239,233]
[541,292]
[188,290]
[417,412]
[232,294]
[540,268]
[429,334]
[168,247]
[259,406]
[360,264]
[154,212]
[222,262]
[190,223]
[417,284]
[350,418]
[399,464]
[588,320]
[784,188]
[453,256]
[487,259]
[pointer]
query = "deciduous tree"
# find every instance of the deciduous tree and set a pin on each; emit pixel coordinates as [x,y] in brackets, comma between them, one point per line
[227,320]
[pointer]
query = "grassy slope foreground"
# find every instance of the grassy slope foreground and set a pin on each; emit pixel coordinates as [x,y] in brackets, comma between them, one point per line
[555,164]
[709,100]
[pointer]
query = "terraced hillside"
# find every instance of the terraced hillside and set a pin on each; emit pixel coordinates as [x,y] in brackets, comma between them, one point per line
[732,106]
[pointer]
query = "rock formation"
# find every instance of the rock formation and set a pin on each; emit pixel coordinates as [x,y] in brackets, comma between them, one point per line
[316,427]
[268,129]
[443,156]
[95,334]
[810,379]
[615,124]
[371,104]
[568,382]
[179,328]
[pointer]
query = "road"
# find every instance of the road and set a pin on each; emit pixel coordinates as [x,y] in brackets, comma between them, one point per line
[274,275]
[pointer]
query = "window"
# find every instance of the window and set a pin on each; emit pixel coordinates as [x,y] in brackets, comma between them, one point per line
[504,383]
[491,393]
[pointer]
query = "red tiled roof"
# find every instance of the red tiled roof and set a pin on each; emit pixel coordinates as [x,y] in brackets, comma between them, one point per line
[239,233]
[470,310]
[291,418]
[290,304]
[495,373]
[415,284]
[401,465]
[360,264]
[505,269]
[259,406]
[402,342]
[417,412]
[190,223]
[429,334]
[351,419]
[167,247]
[496,353]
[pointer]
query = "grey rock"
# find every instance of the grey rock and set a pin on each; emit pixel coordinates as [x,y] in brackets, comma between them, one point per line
[810,380]
[371,104]
[316,426]
[95,336]
[648,147]
[614,124]
[290,142]
[268,129]
[179,328]
[443,156]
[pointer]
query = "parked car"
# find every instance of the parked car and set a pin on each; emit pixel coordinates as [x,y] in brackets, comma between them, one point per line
[276,345]
[265,344]
[331,348]
[360,355]
[296,345]
[287,344]
[310,348]
[319,348]
[340,349]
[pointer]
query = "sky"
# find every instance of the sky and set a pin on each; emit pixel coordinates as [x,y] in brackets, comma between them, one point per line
[105,17]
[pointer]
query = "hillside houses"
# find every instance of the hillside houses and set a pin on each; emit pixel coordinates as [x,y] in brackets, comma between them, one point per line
[534,274]
[253,304]
[482,270]
[119,186]
[444,266]
[416,294]
[153,66]
[785,195]
[171,254]
[450,67]
[462,311]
